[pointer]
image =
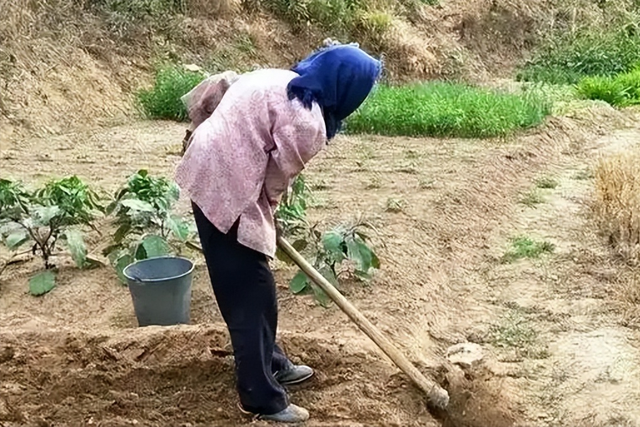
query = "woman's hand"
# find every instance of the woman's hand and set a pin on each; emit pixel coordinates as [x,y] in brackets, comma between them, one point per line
[279,230]
[186,141]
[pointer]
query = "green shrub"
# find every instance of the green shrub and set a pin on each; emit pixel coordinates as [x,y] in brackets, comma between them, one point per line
[162,101]
[622,90]
[567,59]
[447,109]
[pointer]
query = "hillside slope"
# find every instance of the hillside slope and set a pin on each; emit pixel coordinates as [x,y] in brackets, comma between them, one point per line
[72,63]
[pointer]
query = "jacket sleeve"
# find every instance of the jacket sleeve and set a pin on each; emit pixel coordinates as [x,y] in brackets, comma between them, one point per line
[296,141]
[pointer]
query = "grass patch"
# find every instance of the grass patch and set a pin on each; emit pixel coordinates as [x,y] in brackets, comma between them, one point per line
[235,55]
[621,91]
[514,331]
[626,289]
[617,202]
[448,110]
[531,199]
[162,101]
[525,247]
[546,183]
[344,20]
[569,58]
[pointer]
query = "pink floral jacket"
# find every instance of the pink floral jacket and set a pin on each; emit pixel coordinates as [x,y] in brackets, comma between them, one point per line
[241,159]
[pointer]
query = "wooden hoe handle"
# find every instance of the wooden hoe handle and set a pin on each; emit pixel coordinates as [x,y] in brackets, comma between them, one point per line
[436,395]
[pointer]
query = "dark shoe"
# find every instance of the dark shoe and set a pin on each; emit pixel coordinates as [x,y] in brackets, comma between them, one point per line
[295,374]
[291,414]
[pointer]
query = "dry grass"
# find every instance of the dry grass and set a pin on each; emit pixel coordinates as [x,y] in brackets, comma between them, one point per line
[617,202]
[626,290]
[212,8]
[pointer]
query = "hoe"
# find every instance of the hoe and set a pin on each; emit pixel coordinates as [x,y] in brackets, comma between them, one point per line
[437,397]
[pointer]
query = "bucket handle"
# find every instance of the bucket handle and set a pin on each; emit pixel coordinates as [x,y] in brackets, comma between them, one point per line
[135,278]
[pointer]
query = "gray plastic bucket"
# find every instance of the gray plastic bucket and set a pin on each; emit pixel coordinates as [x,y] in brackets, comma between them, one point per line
[161,290]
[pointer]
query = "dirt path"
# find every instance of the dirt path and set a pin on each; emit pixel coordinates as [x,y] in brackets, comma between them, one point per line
[560,330]
[445,210]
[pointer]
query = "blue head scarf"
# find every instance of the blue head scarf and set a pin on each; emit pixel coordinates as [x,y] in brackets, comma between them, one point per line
[339,78]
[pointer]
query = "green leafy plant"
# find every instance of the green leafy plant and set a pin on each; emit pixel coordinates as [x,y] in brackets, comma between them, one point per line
[146,225]
[329,251]
[43,218]
[292,211]
[343,250]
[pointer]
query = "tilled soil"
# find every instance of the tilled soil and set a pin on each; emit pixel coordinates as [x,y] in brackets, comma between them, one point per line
[75,356]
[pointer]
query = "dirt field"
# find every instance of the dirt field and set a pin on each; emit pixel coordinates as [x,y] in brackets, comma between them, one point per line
[556,350]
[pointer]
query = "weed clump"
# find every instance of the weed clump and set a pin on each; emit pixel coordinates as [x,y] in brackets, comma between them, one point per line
[621,91]
[531,199]
[514,332]
[162,101]
[526,247]
[448,110]
[546,183]
[517,333]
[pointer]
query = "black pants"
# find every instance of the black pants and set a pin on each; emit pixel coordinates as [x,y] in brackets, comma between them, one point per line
[245,290]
